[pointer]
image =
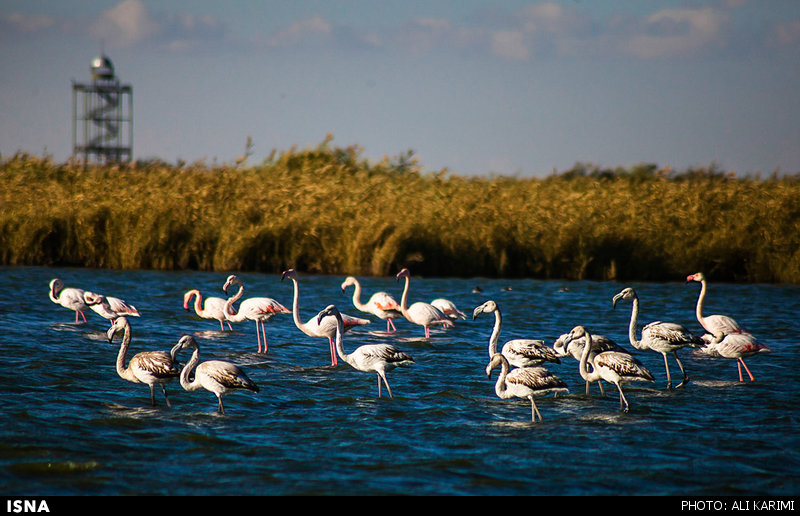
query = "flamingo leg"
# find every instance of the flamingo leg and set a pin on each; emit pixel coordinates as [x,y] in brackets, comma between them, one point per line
[220,408]
[221,326]
[264,333]
[685,376]
[669,378]
[623,403]
[534,410]
[739,365]
[152,395]
[164,388]
[379,385]
[427,332]
[229,326]
[334,361]
[389,389]
[390,326]
[258,336]
[746,369]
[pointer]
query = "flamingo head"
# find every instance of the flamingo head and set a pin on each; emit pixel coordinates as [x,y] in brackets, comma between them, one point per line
[118,324]
[233,279]
[188,296]
[560,346]
[496,360]
[403,274]
[291,274]
[185,342]
[55,286]
[576,333]
[329,310]
[626,293]
[698,276]
[91,298]
[486,308]
[348,281]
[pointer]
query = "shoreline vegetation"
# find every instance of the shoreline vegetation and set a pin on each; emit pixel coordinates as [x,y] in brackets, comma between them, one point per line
[327,210]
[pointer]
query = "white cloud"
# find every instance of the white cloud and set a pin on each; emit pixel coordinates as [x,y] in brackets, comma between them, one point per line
[510,44]
[679,32]
[26,22]
[125,24]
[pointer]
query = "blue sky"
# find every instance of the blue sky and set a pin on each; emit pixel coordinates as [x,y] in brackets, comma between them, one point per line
[479,87]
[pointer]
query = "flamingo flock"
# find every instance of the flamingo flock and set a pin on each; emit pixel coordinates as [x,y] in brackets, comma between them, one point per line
[524,363]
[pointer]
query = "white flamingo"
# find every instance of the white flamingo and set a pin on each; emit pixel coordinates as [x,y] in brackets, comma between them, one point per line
[518,352]
[611,366]
[716,325]
[380,304]
[70,298]
[574,348]
[319,328]
[148,367]
[217,376]
[257,309]
[735,345]
[524,382]
[661,337]
[448,308]
[212,308]
[370,358]
[423,314]
[109,307]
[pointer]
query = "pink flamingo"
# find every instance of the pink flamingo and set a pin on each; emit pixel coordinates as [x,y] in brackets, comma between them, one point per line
[717,325]
[258,309]
[380,304]
[213,308]
[320,327]
[423,314]
[448,308]
[70,298]
[109,307]
[734,345]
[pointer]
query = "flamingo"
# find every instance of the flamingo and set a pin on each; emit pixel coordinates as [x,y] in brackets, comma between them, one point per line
[213,308]
[109,307]
[518,352]
[70,298]
[448,308]
[258,309]
[734,345]
[380,304]
[611,366]
[524,382]
[658,336]
[423,314]
[370,358]
[716,325]
[217,376]
[148,367]
[324,328]
[574,348]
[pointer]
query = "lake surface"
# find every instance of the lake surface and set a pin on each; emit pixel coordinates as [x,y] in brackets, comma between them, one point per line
[72,426]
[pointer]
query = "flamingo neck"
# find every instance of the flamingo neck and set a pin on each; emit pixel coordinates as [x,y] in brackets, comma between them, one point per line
[340,340]
[125,372]
[228,310]
[583,369]
[296,310]
[699,308]
[498,323]
[187,369]
[54,294]
[632,326]
[404,300]
[500,387]
[357,297]
[198,302]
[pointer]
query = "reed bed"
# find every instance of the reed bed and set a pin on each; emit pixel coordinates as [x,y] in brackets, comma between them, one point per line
[328,210]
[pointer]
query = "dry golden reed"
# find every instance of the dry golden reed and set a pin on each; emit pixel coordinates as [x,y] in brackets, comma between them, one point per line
[327,210]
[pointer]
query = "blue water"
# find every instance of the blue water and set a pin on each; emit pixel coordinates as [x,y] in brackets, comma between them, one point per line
[71,426]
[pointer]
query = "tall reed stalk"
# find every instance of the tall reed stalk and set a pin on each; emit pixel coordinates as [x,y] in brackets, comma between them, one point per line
[327,210]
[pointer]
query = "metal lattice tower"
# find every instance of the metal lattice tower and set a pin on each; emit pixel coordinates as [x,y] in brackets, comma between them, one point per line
[102,116]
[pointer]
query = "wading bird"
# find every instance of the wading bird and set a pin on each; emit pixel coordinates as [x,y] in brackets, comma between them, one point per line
[257,309]
[716,325]
[524,382]
[518,352]
[448,308]
[217,376]
[574,348]
[319,328]
[370,358]
[70,298]
[380,304]
[735,345]
[213,308]
[611,366]
[109,307]
[658,336]
[423,314]
[148,367]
